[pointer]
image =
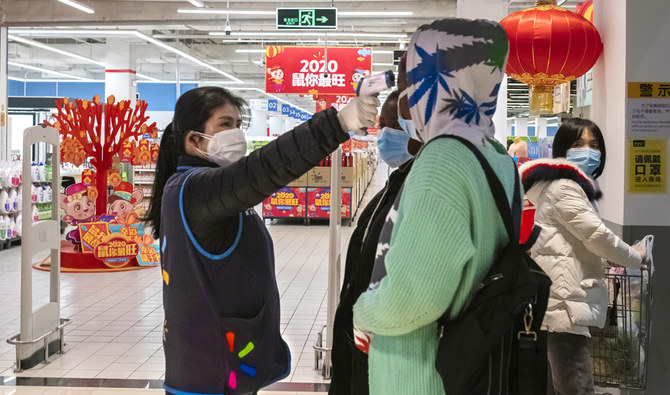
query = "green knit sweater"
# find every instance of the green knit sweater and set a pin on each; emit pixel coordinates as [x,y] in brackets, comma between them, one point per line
[446,235]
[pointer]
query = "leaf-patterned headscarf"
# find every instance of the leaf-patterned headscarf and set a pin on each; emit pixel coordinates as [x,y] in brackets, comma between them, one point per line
[454,70]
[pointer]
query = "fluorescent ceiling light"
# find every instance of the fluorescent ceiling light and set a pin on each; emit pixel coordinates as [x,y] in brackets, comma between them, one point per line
[52,80]
[56,50]
[382,64]
[77,5]
[196,3]
[229,12]
[375,13]
[58,73]
[195,60]
[376,52]
[70,32]
[67,33]
[306,34]
[146,77]
[317,42]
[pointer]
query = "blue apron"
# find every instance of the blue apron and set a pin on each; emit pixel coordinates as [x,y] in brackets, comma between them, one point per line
[221,331]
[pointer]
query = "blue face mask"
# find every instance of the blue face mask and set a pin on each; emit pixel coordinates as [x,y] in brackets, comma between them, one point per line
[587,159]
[393,146]
[408,126]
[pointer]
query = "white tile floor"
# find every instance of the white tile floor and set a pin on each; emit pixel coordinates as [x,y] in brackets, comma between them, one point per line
[116,317]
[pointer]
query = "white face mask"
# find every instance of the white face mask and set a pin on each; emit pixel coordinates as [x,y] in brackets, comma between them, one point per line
[225,147]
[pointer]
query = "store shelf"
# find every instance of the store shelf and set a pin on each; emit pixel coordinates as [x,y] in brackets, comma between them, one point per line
[144,183]
[139,169]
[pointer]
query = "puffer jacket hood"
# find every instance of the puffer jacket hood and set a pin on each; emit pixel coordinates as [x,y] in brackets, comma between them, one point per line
[454,70]
[540,170]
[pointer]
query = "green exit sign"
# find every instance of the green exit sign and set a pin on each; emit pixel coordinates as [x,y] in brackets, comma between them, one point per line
[306,18]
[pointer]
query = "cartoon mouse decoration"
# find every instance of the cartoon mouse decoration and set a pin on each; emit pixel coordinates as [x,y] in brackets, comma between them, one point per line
[276,77]
[122,203]
[79,208]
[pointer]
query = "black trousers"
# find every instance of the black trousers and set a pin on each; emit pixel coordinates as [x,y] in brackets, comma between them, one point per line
[570,366]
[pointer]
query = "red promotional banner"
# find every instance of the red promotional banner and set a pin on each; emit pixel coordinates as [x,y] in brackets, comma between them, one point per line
[286,202]
[301,70]
[327,101]
[318,202]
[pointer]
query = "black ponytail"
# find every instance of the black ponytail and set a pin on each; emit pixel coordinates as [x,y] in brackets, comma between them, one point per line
[166,166]
[191,112]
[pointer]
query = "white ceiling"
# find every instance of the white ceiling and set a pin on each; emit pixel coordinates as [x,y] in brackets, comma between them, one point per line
[189,33]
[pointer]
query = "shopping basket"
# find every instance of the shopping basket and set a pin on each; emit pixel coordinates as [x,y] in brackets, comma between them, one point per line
[620,350]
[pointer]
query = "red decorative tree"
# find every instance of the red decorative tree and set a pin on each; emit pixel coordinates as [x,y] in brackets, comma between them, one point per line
[86,136]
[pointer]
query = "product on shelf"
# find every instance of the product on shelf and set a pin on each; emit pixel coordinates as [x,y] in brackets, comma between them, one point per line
[5,203]
[36,213]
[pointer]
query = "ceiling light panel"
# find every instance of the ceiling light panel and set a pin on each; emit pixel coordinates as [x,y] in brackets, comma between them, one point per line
[56,50]
[196,3]
[77,5]
[41,70]
[308,34]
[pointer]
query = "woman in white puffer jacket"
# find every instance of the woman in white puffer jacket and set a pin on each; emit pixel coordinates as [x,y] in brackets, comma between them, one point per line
[573,248]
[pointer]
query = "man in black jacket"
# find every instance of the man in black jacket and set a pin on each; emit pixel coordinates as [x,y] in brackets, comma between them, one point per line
[350,365]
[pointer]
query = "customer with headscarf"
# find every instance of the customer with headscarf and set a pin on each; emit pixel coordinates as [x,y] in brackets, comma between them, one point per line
[444,230]
[350,365]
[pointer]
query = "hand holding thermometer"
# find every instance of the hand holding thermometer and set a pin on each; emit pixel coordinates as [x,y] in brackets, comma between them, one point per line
[361,111]
[370,87]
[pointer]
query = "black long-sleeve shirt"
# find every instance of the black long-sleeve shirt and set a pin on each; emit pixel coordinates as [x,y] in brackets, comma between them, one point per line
[213,198]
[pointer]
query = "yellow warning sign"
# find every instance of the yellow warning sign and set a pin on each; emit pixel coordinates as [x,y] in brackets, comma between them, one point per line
[647,166]
[649,90]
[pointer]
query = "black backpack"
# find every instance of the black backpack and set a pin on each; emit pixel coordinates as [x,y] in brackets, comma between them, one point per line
[495,345]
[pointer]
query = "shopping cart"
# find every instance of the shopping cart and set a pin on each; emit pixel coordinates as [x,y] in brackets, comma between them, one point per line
[620,350]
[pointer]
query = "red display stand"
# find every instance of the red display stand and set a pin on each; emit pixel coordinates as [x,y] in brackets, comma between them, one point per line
[73,261]
[103,135]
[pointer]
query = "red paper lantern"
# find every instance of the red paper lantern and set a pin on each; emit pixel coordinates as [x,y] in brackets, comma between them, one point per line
[549,45]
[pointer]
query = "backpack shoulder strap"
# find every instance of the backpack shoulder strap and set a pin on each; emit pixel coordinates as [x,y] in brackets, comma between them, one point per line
[511,218]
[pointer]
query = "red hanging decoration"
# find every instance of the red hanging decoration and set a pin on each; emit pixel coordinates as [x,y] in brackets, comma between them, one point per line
[549,45]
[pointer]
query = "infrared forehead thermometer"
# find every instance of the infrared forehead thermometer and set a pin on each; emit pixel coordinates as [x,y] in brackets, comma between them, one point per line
[372,85]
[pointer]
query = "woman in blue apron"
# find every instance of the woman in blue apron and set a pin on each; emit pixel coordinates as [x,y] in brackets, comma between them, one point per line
[221,330]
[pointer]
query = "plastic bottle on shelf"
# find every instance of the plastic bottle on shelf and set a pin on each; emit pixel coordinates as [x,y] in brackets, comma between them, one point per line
[8,226]
[49,194]
[5,203]
[3,229]
[19,197]
[41,170]
[33,194]
[5,176]
[34,172]
[12,228]
[36,214]
[13,199]
[15,174]
[19,219]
